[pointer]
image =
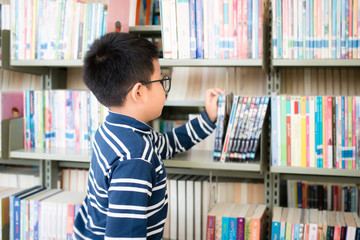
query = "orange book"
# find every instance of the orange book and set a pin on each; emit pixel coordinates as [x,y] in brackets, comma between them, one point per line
[257,223]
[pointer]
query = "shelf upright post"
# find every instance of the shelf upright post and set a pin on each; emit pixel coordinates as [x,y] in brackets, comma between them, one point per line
[50,176]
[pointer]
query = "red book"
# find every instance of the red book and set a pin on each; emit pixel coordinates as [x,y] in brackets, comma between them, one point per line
[210,231]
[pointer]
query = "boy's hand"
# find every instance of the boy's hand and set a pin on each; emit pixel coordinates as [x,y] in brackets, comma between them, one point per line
[211,100]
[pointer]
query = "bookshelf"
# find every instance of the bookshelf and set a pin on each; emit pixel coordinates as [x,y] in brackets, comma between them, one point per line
[321,175]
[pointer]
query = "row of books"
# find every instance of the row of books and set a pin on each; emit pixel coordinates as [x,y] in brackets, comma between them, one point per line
[61,118]
[236,221]
[315,131]
[212,29]
[19,177]
[295,223]
[55,29]
[38,213]
[307,29]
[238,127]
[147,12]
[74,179]
[191,198]
[323,196]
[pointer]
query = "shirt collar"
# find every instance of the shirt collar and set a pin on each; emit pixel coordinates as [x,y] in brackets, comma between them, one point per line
[120,119]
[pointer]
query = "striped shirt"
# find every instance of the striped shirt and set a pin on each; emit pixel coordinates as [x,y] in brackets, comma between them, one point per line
[127,196]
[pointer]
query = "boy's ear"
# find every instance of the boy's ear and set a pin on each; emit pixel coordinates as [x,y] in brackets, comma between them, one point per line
[137,93]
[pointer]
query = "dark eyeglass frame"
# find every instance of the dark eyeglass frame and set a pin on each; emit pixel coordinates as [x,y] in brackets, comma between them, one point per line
[165,78]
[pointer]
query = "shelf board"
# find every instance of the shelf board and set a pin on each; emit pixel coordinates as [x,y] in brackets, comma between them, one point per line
[145,29]
[59,154]
[316,62]
[191,159]
[202,159]
[163,63]
[210,62]
[47,63]
[315,171]
[183,103]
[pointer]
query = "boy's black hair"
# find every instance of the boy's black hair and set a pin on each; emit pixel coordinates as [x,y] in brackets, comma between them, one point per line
[115,62]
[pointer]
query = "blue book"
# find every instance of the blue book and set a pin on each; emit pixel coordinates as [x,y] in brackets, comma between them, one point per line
[199,29]
[342,132]
[275,225]
[307,30]
[299,195]
[232,228]
[342,31]
[311,29]
[333,28]
[15,210]
[193,28]
[320,132]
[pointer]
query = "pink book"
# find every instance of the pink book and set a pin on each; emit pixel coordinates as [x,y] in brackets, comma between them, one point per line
[261,17]
[239,28]
[235,25]
[329,140]
[318,25]
[232,13]
[307,132]
[350,49]
[244,43]
[346,130]
[118,11]
[77,118]
[221,28]
[354,132]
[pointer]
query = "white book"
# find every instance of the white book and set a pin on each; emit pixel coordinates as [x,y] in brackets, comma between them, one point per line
[174,206]
[190,207]
[132,15]
[206,4]
[166,28]
[207,204]
[197,206]
[182,207]
[173,30]
[183,28]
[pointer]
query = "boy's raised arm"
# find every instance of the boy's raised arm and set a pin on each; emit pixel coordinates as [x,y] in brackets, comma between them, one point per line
[192,132]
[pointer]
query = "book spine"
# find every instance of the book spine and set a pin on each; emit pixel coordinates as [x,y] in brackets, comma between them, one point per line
[240,228]
[303,132]
[199,29]
[288,130]
[193,29]
[354,136]
[226,28]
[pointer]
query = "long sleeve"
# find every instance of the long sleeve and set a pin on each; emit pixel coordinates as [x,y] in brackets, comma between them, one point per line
[129,194]
[183,138]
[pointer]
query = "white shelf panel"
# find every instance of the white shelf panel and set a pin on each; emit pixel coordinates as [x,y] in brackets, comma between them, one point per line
[145,29]
[211,62]
[191,159]
[59,154]
[163,63]
[315,171]
[204,160]
[316,62]
[47,63]
[181,103]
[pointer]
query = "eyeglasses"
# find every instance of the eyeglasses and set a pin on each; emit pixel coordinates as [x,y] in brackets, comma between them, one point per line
[165,82]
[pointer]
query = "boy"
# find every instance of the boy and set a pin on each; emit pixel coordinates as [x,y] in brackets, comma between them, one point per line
[126,192]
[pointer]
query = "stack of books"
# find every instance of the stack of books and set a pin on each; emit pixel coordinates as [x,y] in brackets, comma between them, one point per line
[238,127]
[236,221]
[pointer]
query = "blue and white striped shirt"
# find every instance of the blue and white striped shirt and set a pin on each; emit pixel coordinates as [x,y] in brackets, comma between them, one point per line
[127,196]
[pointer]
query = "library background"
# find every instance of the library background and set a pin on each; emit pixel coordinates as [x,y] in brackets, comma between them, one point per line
[284,159]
